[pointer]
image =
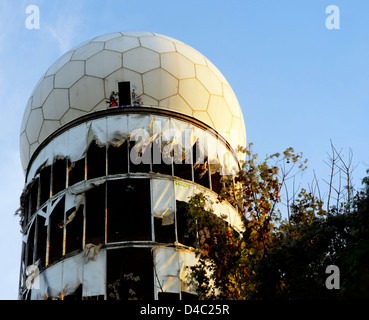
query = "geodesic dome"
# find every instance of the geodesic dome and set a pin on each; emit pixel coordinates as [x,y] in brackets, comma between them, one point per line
[164,73]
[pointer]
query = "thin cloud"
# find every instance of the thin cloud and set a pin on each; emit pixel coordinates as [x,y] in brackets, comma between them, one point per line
[64,26]
[64,33]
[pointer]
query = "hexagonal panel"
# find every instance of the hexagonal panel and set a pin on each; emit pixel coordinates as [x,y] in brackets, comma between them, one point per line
[209,80]
[192,54]
[216,71]
[42,91]
[107,37]
[87,51]
[203,116]
[24,149]
[71,114]
[56,104]
[232,101]
[33,126]
[219,113]
[33,147]
[27,111]
[48,127]
[69,74]
[137,33]
[59,63]
[159,84]
[177,65]
[103,63]
[157,44]
[141,60]
[188,87]
[176,103]
[167,38]
[86,93]
[149,101]
[236,132]
[111,81]
[122,44]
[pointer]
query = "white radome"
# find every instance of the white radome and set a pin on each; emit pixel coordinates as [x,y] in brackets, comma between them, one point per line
[165,72]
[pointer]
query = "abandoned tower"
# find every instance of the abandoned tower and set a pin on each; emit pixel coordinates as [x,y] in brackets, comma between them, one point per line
[116,135]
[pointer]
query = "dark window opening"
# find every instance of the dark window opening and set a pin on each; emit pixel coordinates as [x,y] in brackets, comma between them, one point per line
[124,91]
[30,244]
[128,277]
[34,197]
[200,167]
[118,159]
[189,296]
[158,163]
[183,219]
[41,240]
[76,172]
[96,161]
[45,183]
[56,223]
[164,234]
[75,296]
[27,209]
[216,184]
[95,215]
[23,262]
[141,156]
[128,210]
[168,296]
[59,175]
[74,229]
[183,168]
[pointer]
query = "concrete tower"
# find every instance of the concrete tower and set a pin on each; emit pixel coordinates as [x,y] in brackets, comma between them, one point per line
[115,136]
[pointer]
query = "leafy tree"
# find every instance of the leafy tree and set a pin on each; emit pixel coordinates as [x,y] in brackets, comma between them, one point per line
[275,259]
[227,259]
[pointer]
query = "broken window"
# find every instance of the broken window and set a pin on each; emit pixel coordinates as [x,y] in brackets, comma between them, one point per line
[27,208]
[96,160]
[182,151]
[118,158]
[163,210]
[23,264]
[158,163]
[130,274]
[76,172]
[34,197]
[74,229]
[182,225]
[45,182]
[139,154]
[124,89]
[128,210]
[56,222]
[41,240]
[95,215]
[182,169]
[75,296]
[216,184]
[59,175]
[200,165]
[30,244]
[188,296]
[164,233]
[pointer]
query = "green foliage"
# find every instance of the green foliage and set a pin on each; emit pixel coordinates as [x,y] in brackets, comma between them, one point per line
[274,259]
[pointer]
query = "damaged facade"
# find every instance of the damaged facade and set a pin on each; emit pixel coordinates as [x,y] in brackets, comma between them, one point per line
[101,210]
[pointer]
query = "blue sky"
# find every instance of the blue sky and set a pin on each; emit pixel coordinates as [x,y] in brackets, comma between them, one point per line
[298,83]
